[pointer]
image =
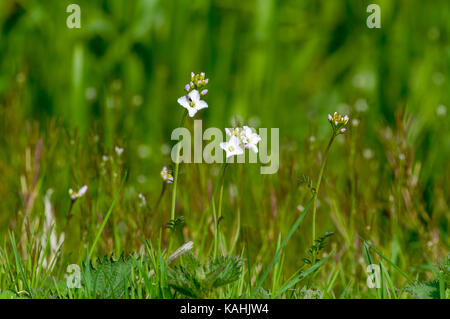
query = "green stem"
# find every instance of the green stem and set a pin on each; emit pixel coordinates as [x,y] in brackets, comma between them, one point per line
[175,174]
[108,214]
[220,182]
[316,191]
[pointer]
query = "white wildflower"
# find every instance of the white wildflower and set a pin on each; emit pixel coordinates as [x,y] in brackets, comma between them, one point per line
[166,175]
[143,201]
[441,110]
[80,193]
[250,139]
[118,150]
[192,102]
[232,147]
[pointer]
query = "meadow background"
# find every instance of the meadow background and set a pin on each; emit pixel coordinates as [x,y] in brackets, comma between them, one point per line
[68,97]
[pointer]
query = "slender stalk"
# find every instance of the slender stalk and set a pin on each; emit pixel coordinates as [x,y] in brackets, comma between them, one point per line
[220,182]
[175,174]
[316,191]
[69,216]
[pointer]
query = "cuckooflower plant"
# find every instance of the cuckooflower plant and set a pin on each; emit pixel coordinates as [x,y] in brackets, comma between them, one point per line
[192,102]
[166,175]
[75,195]
[232,147]
[338,124]
[240,138]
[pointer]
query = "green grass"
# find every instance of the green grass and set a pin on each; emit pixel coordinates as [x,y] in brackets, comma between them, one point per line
[69,97]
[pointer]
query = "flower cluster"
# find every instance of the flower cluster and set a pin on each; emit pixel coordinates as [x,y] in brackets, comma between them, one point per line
[75,195]
[166,175]
[196,89]
[338,122]
[198,82]
[240,138]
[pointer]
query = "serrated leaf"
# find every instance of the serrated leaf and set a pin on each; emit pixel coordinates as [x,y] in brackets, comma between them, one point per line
[108,278]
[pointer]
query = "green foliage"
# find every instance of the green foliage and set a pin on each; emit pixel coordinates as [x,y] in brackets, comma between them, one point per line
[314,250]
[425,290]
[68,97]
[197,279]
[434,289]
[108,278]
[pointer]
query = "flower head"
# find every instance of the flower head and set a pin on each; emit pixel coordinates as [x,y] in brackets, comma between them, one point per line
[118,150]
[166,175]
[197,82]
[192,102]
[75,195]
[232,147]
[143,201]
[338,122]
[240,138]
[250,139]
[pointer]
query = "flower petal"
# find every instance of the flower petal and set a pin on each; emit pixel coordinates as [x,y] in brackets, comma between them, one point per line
[191,111]
[195,96]
[201,105]
[184,102]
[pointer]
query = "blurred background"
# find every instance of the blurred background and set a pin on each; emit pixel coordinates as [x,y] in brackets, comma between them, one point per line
[285,64]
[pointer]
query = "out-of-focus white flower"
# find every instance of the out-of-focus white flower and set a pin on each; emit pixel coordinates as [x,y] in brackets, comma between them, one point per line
[118,150]
[165,149]
[143,151]
[250,139]
[166,175]
[91,93]
[367,153]
[441,110]
[141,179]
[143,201]
[192,102]
[361,105]
[75,195]
[232,147]
[137,100]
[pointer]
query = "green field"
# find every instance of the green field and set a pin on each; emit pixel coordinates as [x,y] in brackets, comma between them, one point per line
[97,105]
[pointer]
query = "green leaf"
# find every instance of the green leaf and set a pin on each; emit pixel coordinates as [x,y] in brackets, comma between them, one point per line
[108,278]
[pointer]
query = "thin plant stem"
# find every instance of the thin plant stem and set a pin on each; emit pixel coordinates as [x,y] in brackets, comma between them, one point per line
[69,215]
[220,182]
[316,190]
[175,174]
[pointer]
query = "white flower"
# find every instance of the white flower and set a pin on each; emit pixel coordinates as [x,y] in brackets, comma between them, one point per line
[441,110]
[237,131]
[143,201]
[118,150]
[75,195]
[232,147]
[192,102]
[166,175]
[250,139]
